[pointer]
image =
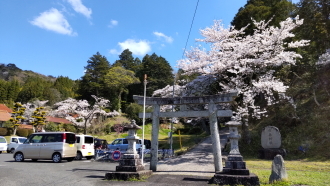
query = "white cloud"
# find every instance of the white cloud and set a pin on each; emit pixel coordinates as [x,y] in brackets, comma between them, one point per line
[113,23]
[55,21]
[161,35]
[114,51]
[80,8]
[140,47]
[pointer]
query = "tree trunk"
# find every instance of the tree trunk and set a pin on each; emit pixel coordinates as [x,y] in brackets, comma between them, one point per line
[119,100]
[85,127]
[246,136]
[15,128]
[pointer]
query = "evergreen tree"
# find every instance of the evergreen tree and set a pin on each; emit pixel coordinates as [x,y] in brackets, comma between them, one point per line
[65,86]
[274,10]
[92,83]
[127,61]
[159,73]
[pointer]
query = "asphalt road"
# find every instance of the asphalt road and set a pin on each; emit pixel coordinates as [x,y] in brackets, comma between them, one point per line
[195,168]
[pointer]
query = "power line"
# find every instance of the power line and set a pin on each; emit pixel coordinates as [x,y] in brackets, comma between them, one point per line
[190,30]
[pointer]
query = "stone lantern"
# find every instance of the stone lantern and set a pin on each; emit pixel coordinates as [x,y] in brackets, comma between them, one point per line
[130,166]
[235,171]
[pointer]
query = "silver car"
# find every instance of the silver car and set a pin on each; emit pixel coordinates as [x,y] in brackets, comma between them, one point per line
[48,145]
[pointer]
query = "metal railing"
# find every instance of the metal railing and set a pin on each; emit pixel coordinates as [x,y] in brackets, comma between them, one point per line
[106,155]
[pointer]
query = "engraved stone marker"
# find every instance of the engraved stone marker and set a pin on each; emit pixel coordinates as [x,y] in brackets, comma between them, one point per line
[270,137]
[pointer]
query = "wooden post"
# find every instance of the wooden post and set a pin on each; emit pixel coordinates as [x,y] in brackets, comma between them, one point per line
[154,138]
[215,137]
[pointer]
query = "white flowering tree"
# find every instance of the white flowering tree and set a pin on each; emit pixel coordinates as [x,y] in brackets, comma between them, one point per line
[80,112]
[244,63]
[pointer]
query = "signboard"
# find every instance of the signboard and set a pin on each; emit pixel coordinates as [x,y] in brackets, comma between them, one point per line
[116,155]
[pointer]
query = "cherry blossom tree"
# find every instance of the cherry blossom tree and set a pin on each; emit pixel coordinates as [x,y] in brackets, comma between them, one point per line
[243,63]
[80,112]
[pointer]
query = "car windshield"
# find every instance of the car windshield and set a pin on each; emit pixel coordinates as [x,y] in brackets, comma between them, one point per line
[21,140]
[3,140]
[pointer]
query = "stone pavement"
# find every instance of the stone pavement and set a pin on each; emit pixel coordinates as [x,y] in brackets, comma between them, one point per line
[198,161]
[194,168]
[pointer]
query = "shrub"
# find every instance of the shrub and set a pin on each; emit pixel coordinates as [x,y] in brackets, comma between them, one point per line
[69,128]
[22,132]
[133,111]
[10,131]
[30,131]
[3,131]
[51,127]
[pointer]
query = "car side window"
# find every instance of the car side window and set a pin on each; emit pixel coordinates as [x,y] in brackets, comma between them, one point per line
[35,139]
[125,141]
[117,142]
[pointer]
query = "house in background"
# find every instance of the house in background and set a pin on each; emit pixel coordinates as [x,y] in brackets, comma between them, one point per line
[5,114]
[57,120]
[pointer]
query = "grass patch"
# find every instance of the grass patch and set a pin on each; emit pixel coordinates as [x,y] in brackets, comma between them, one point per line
[300,172]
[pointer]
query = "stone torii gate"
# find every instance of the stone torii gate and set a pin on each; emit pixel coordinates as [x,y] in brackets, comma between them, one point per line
[212,113]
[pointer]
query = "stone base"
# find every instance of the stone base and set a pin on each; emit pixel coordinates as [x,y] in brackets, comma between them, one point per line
[128,175]
[269,154]
[130,168]
[226,179]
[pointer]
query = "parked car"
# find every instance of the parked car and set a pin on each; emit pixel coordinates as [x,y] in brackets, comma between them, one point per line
[14,142]
[122,144]
[85,147]
[3,144]
[54,146]
[100,144]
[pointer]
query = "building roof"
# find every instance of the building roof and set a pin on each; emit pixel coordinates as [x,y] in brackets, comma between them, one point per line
[4,107]
[57,120]
[4,115]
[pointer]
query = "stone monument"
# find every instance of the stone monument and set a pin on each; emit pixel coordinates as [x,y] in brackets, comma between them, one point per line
[271,143]
[278,170]
[235,171]
[130,166]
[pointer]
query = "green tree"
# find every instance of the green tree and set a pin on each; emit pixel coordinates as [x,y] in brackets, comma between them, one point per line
[127,61]
[17,116]
[276,10]
[3,91]
[92,83]
[159,73]
[65,86]
[13,90]
[34,87]
[316,27]
[117,79]
[39,119]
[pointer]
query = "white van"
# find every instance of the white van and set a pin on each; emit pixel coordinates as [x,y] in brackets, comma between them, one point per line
[54,146]
[3,144]
[85,147]
[14,142]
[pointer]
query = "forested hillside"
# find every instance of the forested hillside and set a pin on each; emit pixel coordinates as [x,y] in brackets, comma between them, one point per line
[117,82]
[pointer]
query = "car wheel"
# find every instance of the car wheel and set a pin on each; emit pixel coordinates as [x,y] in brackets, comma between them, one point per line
[12,150]
[34,159]
[57,158]
[0,152]
[79,156]
[19,157]
[89,157]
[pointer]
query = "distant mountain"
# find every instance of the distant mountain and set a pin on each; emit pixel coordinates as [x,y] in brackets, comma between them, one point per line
[11,71]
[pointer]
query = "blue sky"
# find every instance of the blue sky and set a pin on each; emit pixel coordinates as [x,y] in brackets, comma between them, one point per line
[57,37]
